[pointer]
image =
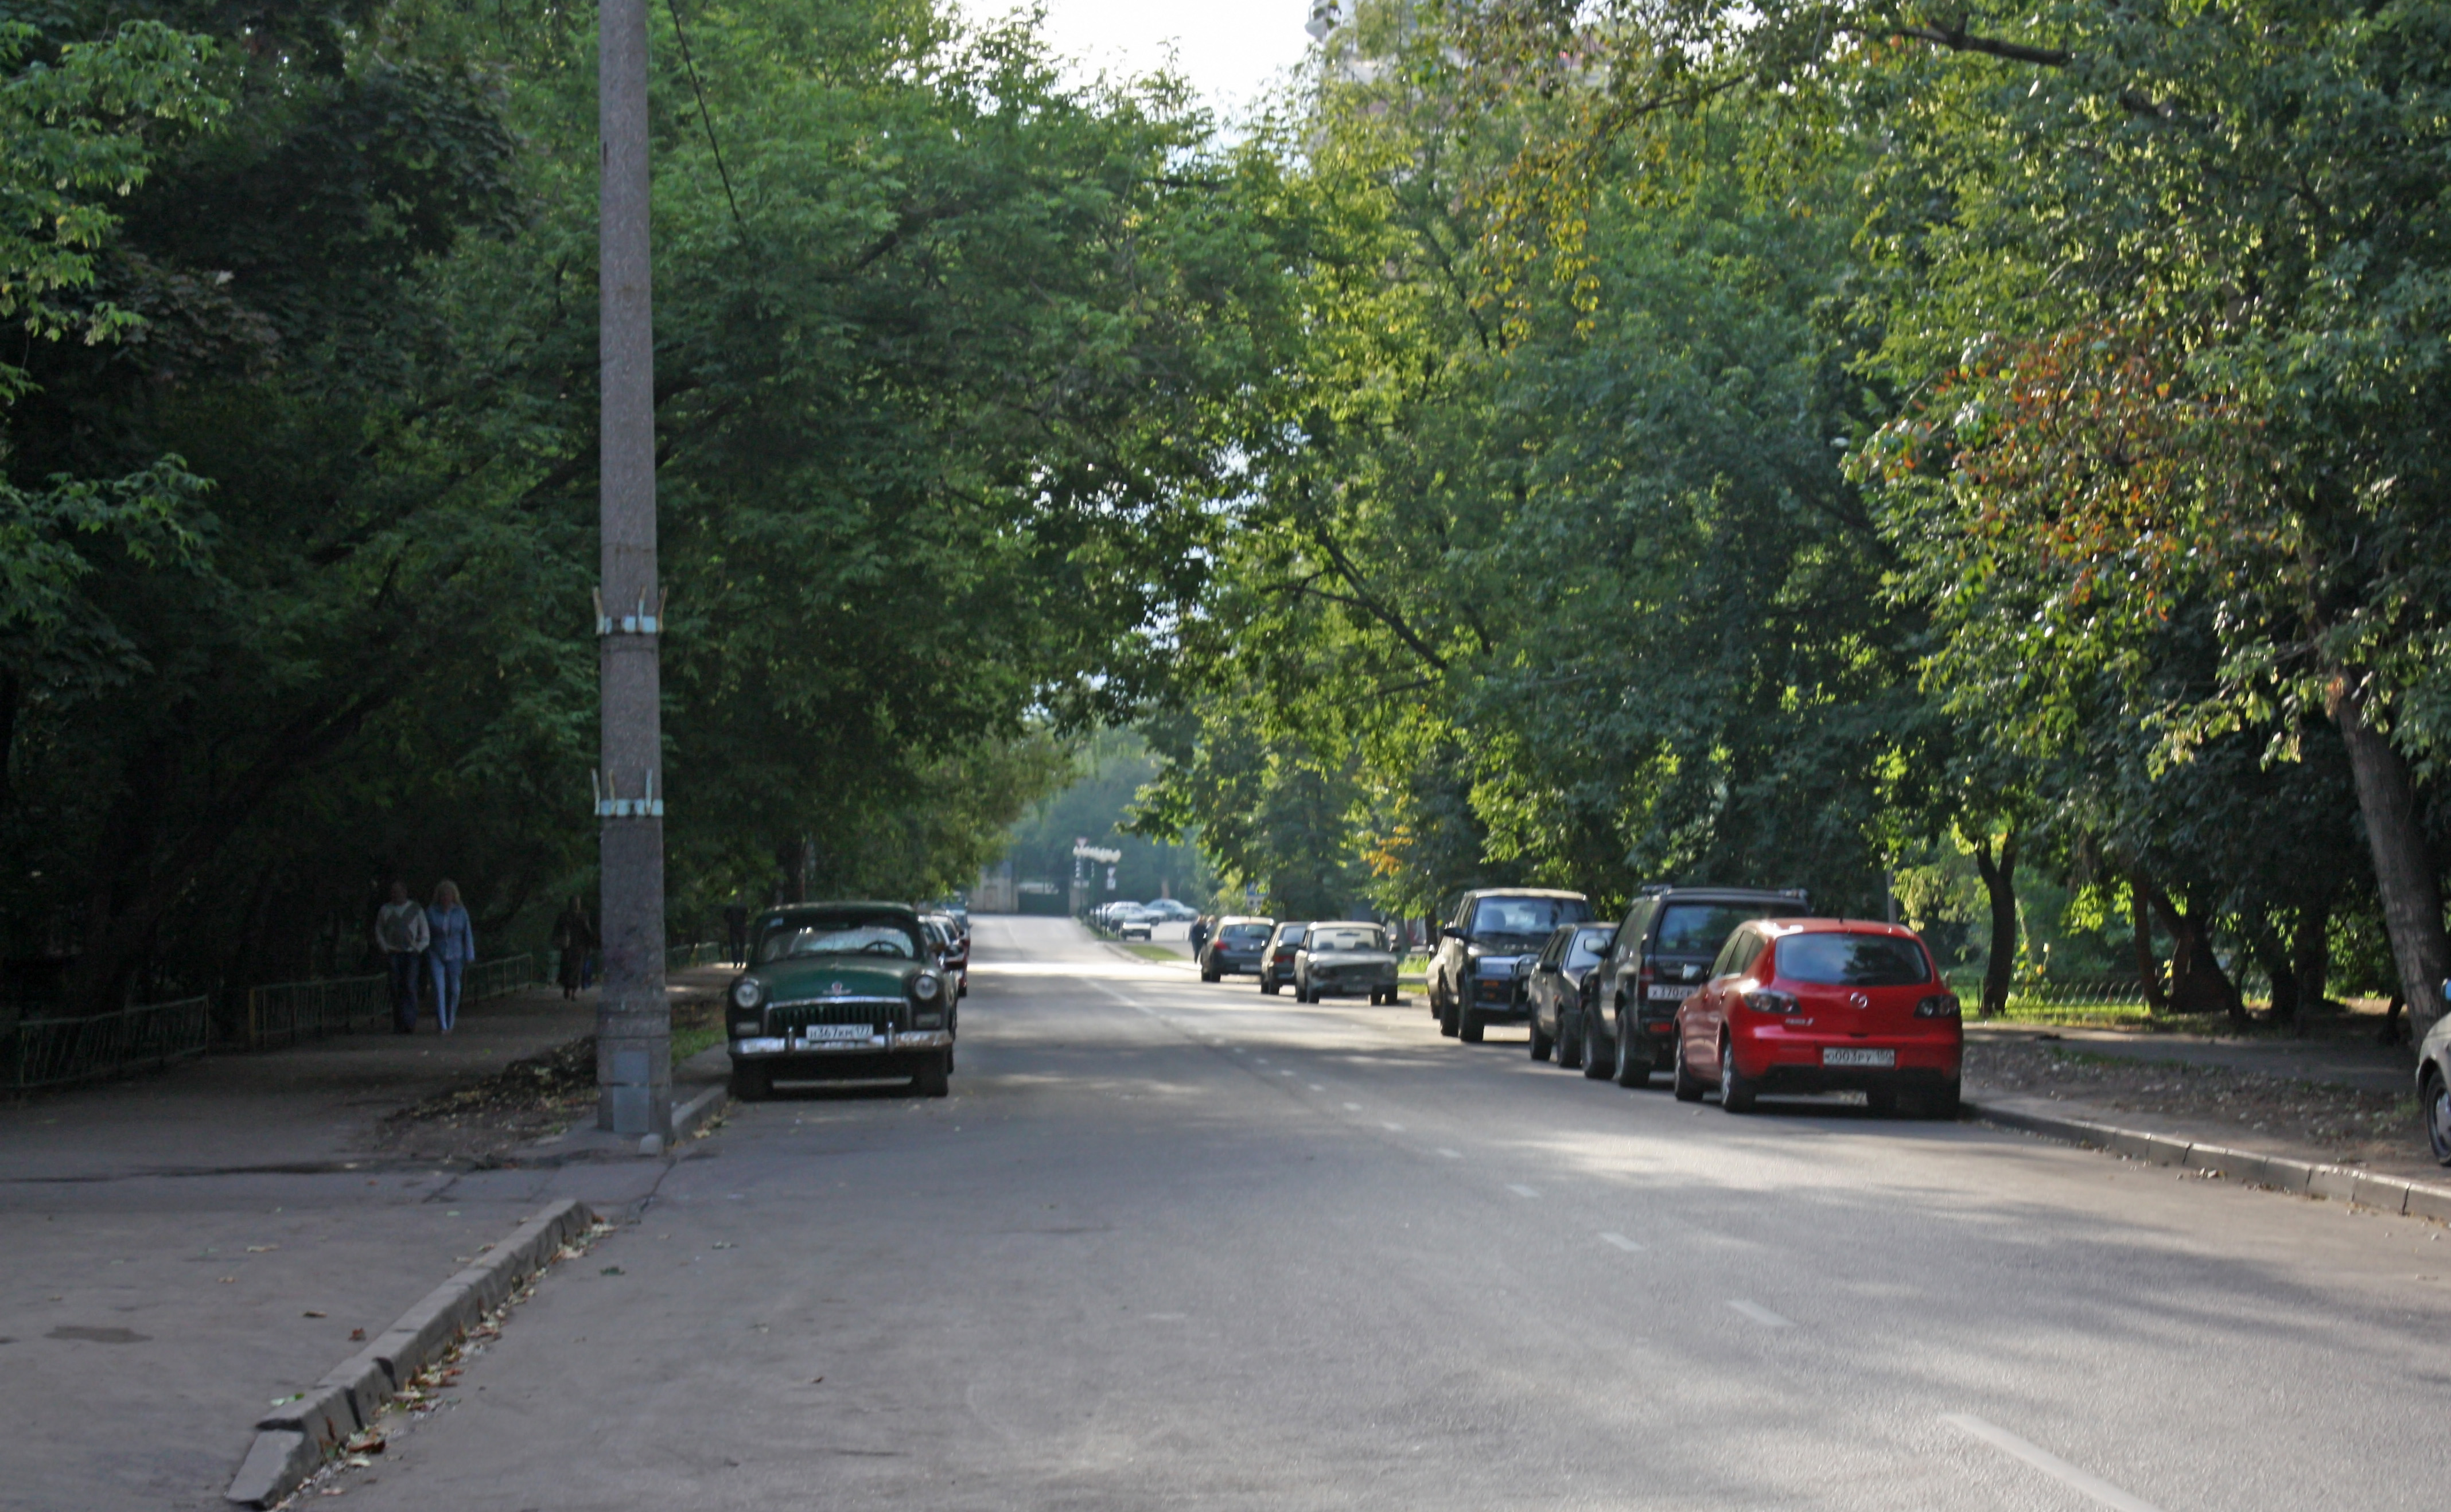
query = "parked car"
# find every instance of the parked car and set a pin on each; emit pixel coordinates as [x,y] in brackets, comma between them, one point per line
[1819,1005]
[1663,949]
[1343,960]
[1169,911]
[2434,1082]
[1490,940]
[1553,990]
[957,950]
[1132,922]
[1277,964]
[841,992]
[1238,944]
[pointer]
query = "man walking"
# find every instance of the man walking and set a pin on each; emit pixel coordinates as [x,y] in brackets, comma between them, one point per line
[401,935]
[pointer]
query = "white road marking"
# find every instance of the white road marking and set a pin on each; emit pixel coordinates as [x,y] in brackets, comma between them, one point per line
[1315,1086]
[1622,1242]
[2044,1460]
[1354,1108]
[1451,1154]
[1285,1071]
[1761,1315]
[1520,1191]
[1398,1128]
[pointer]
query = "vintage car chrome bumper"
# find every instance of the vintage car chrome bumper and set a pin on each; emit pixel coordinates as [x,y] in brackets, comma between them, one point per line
[864,1044]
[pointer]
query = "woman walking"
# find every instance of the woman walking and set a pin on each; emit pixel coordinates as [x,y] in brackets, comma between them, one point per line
[574,936]
[454,947]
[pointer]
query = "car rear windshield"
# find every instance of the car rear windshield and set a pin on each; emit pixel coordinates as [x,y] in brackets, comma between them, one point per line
[1700,928]
[1244,933]
[1853,960]
[837,936]
[1349,937]
[1532,917]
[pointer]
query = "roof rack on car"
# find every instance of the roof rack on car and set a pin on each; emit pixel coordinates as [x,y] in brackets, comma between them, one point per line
[1655,889]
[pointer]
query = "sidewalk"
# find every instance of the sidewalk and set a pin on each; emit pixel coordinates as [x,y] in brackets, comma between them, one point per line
[185,1248]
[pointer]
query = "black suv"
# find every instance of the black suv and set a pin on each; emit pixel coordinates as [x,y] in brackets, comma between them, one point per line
[1663,952]
[1490,940]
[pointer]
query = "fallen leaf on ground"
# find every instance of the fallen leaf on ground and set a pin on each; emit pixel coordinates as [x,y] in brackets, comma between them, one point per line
[311,1313]
[262,1249]
[356,1334]
[611,1270]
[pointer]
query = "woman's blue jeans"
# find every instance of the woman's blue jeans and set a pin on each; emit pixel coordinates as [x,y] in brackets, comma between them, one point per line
[446,992]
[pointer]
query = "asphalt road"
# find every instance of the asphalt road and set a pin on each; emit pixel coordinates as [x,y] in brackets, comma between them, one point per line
[1175,1245]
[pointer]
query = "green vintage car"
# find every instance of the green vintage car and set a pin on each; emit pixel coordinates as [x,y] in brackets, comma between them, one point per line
[841,992]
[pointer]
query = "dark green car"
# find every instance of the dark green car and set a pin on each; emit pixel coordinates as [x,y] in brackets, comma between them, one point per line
[841,992]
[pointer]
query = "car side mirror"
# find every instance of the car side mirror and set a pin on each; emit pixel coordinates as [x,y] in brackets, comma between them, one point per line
[1550,967]
[1451,932]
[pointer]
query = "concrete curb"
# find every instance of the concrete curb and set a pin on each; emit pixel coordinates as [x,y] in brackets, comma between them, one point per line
[292,1439]
[2347,1184]
[691,1116]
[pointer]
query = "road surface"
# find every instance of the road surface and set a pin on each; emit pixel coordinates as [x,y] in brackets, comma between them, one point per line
[1187,1246]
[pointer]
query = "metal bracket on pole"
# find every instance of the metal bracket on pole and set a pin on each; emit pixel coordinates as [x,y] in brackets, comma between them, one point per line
[640,622]
[611,806]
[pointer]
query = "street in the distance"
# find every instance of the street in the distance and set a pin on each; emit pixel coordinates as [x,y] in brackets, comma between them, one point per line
[1177,1243]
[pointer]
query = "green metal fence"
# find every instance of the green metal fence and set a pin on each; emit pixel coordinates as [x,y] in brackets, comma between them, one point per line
[286,1012]
[60,1051]
[681,957]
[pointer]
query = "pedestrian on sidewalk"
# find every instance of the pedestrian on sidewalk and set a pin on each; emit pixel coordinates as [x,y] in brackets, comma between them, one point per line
[735,932]
[574,936]
[401,935]
[453,947]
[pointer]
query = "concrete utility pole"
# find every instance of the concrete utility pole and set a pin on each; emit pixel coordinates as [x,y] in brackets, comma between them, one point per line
[634,1025]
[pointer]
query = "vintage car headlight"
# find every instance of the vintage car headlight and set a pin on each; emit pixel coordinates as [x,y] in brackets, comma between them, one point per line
[748,991]
[926,985]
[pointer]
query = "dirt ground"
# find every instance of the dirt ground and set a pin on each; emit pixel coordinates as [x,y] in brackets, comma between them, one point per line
[482,1124]
[2348,1124]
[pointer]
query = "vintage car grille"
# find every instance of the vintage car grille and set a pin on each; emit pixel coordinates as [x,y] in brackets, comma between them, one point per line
[881,1013]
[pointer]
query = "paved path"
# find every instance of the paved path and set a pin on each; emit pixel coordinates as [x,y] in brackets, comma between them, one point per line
[1170,1245]
[183,1248]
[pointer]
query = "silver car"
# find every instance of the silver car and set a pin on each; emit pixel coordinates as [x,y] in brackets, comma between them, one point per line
[2434,1082]
[1339,959]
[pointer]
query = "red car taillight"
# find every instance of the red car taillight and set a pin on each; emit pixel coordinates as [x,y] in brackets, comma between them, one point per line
[1763,1000]
[1940,1004]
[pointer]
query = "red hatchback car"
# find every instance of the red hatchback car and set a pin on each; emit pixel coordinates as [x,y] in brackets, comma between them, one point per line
[1822,1006]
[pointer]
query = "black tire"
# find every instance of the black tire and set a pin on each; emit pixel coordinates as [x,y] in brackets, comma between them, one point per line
[1447,1024]
[1302,993]
[1737,1093]
[1596,1062]
[1210,975]
[752,1081]
[1633,1055]
[2435,1102]
[1570,1041]
[1542,1044]
[1468,1024]
[1269,985]
[935,1078]
[1946,1102]
[1688,1087]
[963,991]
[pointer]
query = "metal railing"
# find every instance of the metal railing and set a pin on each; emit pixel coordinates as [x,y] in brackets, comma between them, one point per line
[2086,995]
[60,1051]
[681,957]
[286,1012]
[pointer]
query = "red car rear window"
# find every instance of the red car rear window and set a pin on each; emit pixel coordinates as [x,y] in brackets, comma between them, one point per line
[1853,960]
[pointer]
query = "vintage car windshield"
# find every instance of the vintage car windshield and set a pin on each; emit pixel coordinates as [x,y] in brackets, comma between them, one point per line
[822,936]
[1357,937]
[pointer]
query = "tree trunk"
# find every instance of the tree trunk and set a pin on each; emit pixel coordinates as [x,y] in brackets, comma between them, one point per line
[2273,953]
[2405,875]
[2310,954]
[2198,984]
[2000,882]
[2149,964]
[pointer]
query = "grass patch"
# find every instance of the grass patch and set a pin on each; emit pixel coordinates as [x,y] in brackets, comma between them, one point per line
[1153,953]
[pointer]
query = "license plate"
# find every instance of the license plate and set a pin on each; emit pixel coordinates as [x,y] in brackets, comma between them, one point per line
[837,1033]
[1669,995]
[1859,1057]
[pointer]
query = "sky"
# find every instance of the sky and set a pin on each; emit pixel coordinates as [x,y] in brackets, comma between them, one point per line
[1229,50]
